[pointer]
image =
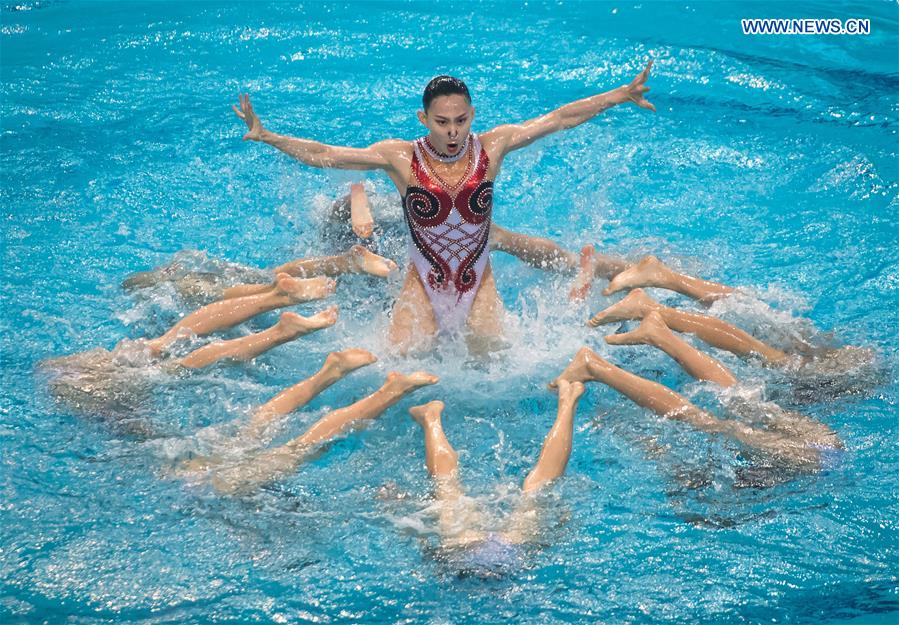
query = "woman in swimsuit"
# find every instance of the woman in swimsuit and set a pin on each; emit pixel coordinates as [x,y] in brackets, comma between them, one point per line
[446,182]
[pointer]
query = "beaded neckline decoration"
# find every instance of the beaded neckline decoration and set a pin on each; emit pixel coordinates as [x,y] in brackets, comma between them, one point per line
[445,158]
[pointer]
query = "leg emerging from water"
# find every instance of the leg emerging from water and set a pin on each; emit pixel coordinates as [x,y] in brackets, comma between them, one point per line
[557,444]
[588,365]
[360,212]
[459,517]
[357,259]
[337,366]
[289,326]
[651,272]
[228,313]
[413,325]
[272,413]
[715,332]
[280,461]
[654,332]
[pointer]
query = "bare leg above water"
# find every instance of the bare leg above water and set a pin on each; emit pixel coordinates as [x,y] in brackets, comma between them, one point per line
[557,444]
[357,259]
[458,515]
[289,326]
[280,461]
[337,365]
[665,402]
[715,332]
[360,212]
[651,272]
[653,331]
[228,313]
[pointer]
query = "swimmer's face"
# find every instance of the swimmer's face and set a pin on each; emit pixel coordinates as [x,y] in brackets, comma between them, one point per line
[448,121]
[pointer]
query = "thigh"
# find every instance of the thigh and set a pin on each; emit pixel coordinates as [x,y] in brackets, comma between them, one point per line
[485,319]
[412,321]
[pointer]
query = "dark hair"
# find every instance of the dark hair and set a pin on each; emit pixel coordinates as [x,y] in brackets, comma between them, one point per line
[444,85]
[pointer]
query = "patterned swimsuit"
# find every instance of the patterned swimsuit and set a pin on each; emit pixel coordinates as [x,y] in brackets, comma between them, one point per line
[450,228]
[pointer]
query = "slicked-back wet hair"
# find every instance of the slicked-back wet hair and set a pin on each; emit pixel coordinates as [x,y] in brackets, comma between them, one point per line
[444,85]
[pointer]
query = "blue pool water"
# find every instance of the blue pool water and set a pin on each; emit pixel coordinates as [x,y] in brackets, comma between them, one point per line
[771,164]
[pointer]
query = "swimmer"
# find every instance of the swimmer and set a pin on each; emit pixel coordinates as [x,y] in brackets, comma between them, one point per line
[653,331]
[445,180]
[101,373]
[237,280]
[287,291]
[717,333]
[804,452]
[289,327]
[465,544]
[113,385]
[247,474]
[649,271]
[808,366]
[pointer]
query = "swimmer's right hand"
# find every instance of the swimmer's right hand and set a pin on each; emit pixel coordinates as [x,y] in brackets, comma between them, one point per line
[246,113]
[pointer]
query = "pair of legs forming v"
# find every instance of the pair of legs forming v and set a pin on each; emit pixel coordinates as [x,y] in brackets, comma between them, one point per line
[286,291]
[259,468]
[460,519]
[788,436]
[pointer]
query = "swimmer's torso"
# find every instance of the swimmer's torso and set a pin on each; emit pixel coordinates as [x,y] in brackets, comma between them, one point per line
[449,227]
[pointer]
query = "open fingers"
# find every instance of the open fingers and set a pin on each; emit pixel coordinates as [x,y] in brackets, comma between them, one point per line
[238,112]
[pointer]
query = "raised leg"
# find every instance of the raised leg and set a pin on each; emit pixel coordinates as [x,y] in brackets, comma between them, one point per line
[557,444]
[710,330]
[337,366]
[275,463]
[357,259]
[458,515]
[228,313]
[654,332]
[289,326]
[360,212]
[242,290]
[651,272]
[665,402]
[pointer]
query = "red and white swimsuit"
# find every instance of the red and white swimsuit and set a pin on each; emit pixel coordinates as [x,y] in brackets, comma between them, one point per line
[450,228]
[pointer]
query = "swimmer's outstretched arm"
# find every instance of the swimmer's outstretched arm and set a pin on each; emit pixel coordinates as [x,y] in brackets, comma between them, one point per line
[280,461]
[504,139]
[289,326]
[228,313]
[393,156]
[587,365]
[711,330]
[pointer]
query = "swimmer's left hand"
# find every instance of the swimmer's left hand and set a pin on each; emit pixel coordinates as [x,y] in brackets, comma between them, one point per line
[637,87]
